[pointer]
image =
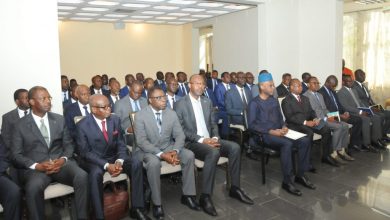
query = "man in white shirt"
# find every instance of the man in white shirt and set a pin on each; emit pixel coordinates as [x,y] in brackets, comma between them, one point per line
[171,92]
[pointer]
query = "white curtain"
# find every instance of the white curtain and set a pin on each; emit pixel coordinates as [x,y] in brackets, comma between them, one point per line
[366,46]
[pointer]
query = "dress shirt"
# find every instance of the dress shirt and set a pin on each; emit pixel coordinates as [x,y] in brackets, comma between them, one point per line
[82,110]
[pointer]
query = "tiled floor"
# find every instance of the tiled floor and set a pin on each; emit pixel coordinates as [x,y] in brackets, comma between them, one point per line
[357,191]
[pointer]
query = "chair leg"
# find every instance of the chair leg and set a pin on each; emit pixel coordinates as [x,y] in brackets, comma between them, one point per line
[228,181]
[196,173]
[129,191]
[263,168]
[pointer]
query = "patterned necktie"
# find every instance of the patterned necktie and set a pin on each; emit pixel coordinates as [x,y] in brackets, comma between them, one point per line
[105,134]
[44,132]
[173,101]
[136,109]
[86,110]
[244,101]
[299,99]
[158,119]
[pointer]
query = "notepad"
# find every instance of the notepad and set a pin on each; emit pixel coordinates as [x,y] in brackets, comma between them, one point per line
[294,135]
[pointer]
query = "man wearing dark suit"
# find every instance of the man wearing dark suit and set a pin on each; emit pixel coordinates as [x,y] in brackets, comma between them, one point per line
[148,84]
[219,92]
[102,149]
[65,92]
[301,117]
[197,119]
[213,81]
[249,80]
[284,88]
[183,88]
[160,81]
[208,93]
[114,93]
[333,105]
[171,92]
[305,81]
[43,148]
[161,138]
[96,87]
[366,100]
[79,108]
[349,101]
[10,193]
[129,79]
[265,117]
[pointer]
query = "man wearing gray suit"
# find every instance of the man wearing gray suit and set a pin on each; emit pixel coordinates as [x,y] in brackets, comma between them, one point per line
[197,119]
[340,135]
[43,148]
[348,99]
[161,138]
[133,102]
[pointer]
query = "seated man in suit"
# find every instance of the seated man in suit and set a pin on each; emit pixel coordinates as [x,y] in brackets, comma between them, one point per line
[160,81]
[349,101]
[233,77]
[305,82]
[213,81]
[249,80]
[333,105]
[148,84]
[97,88]
[284,88]
[197,119]
[161,138]
[255,87]
[365,98]
[129,79]
[340,135]
[10,193]
[65,91]
[102,149]
[171,92]
[133,102]
[79,108]
[43,148]
[219,92]
[265,117]
[115,87]
[140,77]
[301,117]
[183,85]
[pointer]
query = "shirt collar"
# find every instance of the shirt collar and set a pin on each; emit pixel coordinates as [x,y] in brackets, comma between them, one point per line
[154,111]
[37,118]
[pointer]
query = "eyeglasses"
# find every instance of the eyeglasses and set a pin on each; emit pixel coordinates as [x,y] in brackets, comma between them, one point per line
[103,107]
[44,99]
[159,98]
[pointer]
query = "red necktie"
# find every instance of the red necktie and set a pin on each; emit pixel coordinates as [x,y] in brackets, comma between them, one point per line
[105,134]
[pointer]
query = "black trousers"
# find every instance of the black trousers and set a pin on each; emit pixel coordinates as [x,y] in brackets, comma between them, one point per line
[10,198]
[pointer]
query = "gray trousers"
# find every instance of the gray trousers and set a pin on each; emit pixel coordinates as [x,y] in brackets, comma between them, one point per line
[340,137]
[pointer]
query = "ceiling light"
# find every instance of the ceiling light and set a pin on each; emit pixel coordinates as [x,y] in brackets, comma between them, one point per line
[166,18]
[188,19]
[237,7]
[181,2]
[115,16]
[201,16]
[210,4]
[178,14]
[141,16]
[216,12]
[81,19]
[193,9]
[153,12]
[150,0]
[176,22]
[95,9]
[136,5]
[87,14]
[103,3]
[107,19]
[70,1]
[133,21]
[63,13]
[162,7]
[61,18]
[62,7]
[156,22]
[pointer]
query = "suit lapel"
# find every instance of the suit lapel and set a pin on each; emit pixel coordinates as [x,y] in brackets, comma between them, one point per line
[190,109]
[34,129]
[110,129]
[206,112]
[154,122]
[53,127]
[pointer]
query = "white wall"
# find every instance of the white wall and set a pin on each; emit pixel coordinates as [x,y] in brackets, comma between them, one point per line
[29,52]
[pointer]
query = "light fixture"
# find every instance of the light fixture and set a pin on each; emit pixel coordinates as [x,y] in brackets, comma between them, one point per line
[188,19]
[153,12]
[166,18]
[237,7]
[210,4]
[107,19]
[63,13]
[155,22]
[193,9]
[63,7]
[201,16]
[141,17]
[181,2]
[150,0]
[115,15]
[70,1]
[163,7]
[176,22]
[178,14]
[103,3]
[81,18]
[87,14]
[133,20]
[95,9]
[216,12]
[136,5]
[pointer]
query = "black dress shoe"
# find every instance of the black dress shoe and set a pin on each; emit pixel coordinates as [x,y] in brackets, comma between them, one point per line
[290,188]
[138,214]
[304,182]
[313,170]
[147,207]
[378,145]
[329,160]
[207,205]
[237,193]
[359,149]
[252,156]
[158,212]
[370,148]
[190,201]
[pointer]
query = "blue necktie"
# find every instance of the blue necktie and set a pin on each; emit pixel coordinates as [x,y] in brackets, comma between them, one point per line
[86,110]
[136,109]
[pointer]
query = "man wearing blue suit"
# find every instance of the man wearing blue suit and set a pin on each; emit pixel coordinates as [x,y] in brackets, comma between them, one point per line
[103,149]
[129,79]
[10,193]
[208,93]
[213,81]
[114,93]
[171,91]
[65,92]
[183,88]
[148,84]
[305,81]
[79,108]
[160,81]
[219,93]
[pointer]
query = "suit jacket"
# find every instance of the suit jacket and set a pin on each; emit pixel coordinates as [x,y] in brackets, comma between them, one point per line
[182,93]
[361,94]
[235,106]
[29,146]
[112,103]
[92,145]
[186,116]
[210,95]
[124,91]
[330,104]
[282,90]
[72,111]
[347,101]
[123,109]
[210,85]
[9,120]
[177,98]
[104,92]
[149,139]
[163,85]
[144,94]
[3,157]
[296,113]
[219,93]
[304,88]
[317,105]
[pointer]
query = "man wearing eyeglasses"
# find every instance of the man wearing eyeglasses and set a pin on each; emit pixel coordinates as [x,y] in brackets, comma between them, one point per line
[43,148]
[103,150]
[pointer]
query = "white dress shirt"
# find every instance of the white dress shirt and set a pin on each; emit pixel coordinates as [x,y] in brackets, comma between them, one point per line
[82,110]
[199,118]
[21,112]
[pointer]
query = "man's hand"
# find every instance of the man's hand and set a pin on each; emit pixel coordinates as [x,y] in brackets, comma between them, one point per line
[170,157]
[364,114]
[213,142]
[56,165]
[344,116]
[277,132]
[43,166]
[331,119]
[129,130]
[114,169]
[311,123]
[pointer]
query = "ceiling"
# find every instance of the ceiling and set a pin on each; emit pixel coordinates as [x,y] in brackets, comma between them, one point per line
[171,12]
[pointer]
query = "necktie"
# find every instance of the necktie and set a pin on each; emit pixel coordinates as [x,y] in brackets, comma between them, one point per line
[158,119]
[136,109]
[183,90]
[228,87]
[206,94]
[65,97]
[244,101]
[365,91]
[105,134]
[333,99]
[354,97]
[25,113]
[117,98]
[299,99]
[44,132]
[98,92]
[173,101]
[86,110]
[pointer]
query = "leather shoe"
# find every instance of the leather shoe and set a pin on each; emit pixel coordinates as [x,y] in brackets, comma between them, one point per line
[290,188]
[359,149]
[207,205]
[329,160]
[313,170]
[237,193]
[190,201]
[370,148]
[138,214]
[345,157]
[304,182]
[158,212]
[252,156]
[378,145]
[339,160]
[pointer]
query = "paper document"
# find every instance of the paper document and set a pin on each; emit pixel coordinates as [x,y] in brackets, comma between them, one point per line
[294,135]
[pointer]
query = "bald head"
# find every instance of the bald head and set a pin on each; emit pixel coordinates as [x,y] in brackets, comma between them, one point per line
[82,94]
